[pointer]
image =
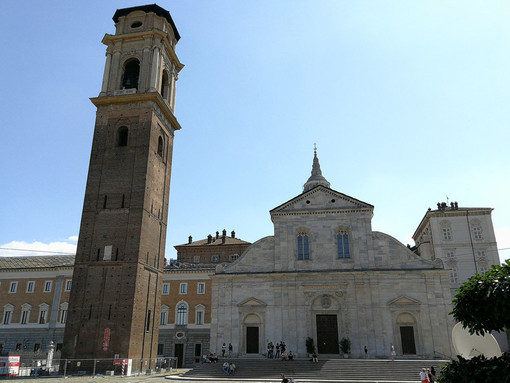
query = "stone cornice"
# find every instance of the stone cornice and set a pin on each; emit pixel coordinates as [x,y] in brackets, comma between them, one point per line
[110,40]
[139,97]
[317,212]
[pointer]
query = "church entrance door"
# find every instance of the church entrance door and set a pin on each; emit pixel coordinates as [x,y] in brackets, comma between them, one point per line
[327,334]
[407,336]
[252,340]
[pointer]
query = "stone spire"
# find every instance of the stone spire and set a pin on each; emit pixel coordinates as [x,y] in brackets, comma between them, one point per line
[316,178]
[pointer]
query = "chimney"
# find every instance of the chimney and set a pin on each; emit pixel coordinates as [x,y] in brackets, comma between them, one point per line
[217,234]
[209,238]
[190,239]
[456,205]
[224,236]
[233,234]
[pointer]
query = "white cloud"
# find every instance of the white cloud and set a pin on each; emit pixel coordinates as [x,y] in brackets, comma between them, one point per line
[73,238]
[503,239]
[21,248]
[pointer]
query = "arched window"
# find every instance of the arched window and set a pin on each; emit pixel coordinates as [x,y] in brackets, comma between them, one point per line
[122,136]
[131,74]
[164,85]
[302,243]
[182,314]
[160,146]
[343,244]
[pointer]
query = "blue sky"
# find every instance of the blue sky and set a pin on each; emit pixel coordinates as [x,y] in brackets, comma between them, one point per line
[407,101]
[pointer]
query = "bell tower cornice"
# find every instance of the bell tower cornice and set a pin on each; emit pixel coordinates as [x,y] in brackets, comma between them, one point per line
[113,42]
[139,97]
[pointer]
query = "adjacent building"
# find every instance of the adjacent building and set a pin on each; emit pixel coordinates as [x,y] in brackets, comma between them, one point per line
[212,250]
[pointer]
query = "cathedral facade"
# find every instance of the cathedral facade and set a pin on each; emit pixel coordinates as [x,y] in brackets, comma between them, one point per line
[326,275]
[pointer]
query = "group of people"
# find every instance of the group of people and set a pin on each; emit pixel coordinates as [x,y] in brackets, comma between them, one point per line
[428,375]
[224,349]
[281,351]
[229,368]
[211,358]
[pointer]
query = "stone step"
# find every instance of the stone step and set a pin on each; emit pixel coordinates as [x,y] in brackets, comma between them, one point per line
[333,369]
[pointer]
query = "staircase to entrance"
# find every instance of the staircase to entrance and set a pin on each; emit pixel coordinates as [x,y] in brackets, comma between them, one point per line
[333,370]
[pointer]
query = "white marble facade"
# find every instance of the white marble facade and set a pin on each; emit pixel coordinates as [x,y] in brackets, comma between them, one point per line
[348,282]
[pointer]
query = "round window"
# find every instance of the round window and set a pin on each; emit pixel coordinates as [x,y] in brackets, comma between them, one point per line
[136,24]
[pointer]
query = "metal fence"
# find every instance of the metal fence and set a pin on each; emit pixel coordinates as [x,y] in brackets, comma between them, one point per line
[97,367]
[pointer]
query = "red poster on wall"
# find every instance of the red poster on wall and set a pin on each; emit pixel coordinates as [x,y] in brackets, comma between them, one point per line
[9,365]
[106,339]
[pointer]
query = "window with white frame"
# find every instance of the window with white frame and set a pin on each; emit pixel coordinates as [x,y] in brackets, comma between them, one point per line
[44,308]
[182,314]
[199,314]
[166,288]
[233,257]
[30,286]
[63,312]
[450,254]
[454,278]
[164,315]
[477,233]
[201,288]
[215,258]
[13,287]
[183,288]
[196,259]
[47,286]
[25,313]
[446,230]
[481,254]
[7,317]
[69,283]
[483,267]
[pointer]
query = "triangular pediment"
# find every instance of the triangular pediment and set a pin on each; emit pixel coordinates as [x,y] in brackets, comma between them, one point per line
[321,198]
[252,302]
[404,300]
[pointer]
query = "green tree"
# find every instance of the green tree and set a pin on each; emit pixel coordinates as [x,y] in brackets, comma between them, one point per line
[482,305]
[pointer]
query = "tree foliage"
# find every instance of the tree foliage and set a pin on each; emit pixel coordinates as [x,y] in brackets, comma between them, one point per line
[482,305]
[483,302]
[476,370]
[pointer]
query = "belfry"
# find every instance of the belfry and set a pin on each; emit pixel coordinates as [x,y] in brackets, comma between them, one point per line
[115,303]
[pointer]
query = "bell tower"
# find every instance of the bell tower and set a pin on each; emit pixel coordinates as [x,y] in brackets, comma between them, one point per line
[114,306]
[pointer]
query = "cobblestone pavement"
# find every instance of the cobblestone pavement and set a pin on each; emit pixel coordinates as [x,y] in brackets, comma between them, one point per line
[154,378]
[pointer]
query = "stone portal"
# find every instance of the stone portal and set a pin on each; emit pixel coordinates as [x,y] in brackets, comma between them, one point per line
[327,334]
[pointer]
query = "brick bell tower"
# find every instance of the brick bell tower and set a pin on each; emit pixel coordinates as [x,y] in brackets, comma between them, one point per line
[115,302]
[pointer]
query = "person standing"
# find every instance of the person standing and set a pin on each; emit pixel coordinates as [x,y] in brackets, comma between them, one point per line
[230,349]
[315,358]
[432,378]
[393,352]
[223,349]
[423,376]
[366,352]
